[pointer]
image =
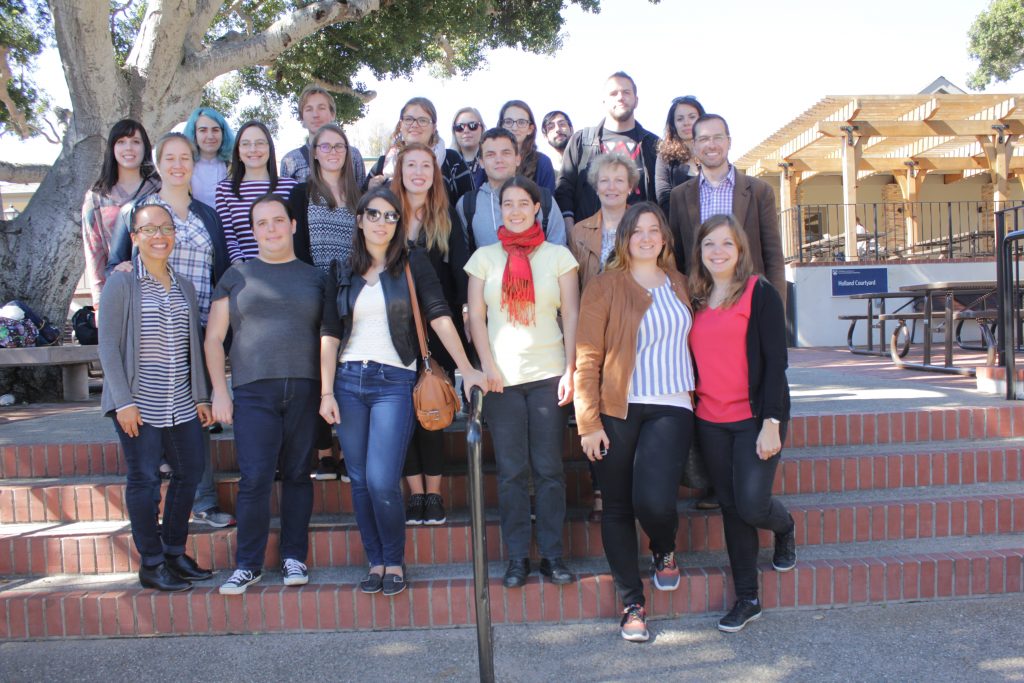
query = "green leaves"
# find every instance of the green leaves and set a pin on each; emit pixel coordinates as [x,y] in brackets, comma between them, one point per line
[997,42]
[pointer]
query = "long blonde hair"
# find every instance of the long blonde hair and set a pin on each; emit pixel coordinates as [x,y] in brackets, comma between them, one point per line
[701,282]
[437,224]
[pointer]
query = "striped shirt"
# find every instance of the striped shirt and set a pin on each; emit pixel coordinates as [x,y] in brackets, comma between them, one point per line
[716,200]
[663,366]
[234,213]
[192,256]
[164,398]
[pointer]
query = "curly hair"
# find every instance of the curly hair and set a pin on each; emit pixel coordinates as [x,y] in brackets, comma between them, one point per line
[672,147]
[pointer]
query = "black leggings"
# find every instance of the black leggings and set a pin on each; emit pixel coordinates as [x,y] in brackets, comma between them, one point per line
[425,454]
[744,485]
[640,481]
[324,438]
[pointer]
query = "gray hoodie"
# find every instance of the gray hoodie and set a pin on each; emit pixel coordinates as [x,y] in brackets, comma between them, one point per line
[487,218]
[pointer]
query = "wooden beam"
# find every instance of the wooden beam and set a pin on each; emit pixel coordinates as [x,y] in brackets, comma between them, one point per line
[895,164]
[788,183]
[850,146]
[916,129]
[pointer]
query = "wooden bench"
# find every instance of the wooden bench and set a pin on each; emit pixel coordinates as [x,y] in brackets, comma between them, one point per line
[73,361]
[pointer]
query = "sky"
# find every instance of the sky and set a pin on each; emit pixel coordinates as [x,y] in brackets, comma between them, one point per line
[758,64]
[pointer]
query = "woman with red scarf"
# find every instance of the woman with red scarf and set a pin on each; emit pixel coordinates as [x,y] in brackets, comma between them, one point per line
[517,289]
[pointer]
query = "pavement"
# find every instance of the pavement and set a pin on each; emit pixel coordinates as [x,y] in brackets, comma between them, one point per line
[975,640]
[821,381]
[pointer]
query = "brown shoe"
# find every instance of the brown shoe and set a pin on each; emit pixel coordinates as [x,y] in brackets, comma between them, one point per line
[708,503]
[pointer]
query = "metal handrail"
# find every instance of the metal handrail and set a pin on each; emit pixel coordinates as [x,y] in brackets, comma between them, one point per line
[481,591]
[1009,287]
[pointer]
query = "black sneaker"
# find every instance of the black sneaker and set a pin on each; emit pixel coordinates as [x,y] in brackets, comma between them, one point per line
[415,509]
[742,613]
[784,558]
[326,470]
[295,573]
[433,511]
[240,580]
[343,471]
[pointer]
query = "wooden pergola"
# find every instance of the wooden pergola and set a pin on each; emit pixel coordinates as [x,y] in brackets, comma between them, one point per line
[908,136]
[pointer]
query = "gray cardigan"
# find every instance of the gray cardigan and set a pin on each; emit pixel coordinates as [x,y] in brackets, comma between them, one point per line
[119,329]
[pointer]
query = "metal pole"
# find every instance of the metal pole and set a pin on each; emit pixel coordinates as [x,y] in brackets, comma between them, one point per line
[474,450]
[949,223]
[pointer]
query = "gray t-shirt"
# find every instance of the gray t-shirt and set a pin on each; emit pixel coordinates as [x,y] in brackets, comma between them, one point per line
[276,309]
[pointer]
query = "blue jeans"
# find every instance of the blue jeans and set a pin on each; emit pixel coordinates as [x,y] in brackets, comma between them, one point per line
[206,491]
[528,429]
[274,429]
[377,421]
[182,445]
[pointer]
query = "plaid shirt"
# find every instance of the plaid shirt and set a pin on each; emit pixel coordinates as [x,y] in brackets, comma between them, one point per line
[716,200]
[192,257]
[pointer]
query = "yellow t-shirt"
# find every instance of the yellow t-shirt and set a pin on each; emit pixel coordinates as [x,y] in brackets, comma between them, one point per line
[525,353]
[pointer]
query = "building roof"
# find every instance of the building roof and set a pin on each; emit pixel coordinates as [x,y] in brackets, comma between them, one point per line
[951,134]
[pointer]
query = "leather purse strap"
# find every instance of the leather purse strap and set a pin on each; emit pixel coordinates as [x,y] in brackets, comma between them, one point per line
[421,334]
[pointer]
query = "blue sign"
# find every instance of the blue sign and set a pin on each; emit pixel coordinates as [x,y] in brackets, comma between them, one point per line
[847,281]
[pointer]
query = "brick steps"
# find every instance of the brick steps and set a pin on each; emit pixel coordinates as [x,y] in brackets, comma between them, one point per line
[819,470]
[116,607]
[807,431]
[854,517]
[888,507]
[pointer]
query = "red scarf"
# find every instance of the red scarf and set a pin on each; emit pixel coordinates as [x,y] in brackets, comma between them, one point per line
[517,297]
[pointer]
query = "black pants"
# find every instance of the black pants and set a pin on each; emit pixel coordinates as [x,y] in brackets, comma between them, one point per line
[640,482]
[744,485]
[425,454]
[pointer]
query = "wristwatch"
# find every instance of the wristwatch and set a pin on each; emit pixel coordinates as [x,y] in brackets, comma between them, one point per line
[774,421]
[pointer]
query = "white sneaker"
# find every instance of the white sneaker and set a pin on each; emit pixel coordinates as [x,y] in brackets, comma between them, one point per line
[295,573]
[239,581]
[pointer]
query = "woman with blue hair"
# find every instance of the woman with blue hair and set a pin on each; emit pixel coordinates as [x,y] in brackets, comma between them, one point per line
[212,135]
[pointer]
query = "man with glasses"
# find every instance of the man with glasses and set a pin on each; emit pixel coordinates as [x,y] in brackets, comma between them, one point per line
[619,132]
[719,189]
[316,107]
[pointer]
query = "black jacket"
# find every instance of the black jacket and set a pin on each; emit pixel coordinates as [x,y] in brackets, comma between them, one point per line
[401,324]
[767,357]
[573,192]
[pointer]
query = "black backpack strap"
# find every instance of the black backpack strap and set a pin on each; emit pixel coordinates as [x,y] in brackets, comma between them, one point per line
[469,209]
[304,150]
[545,208]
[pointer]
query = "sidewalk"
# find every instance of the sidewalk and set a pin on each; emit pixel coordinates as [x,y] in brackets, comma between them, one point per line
[969,640]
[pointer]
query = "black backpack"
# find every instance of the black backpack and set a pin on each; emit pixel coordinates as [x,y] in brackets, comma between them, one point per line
[84,324]
[469,209]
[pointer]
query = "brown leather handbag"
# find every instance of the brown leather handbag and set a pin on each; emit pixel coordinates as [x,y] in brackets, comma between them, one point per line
[433,397]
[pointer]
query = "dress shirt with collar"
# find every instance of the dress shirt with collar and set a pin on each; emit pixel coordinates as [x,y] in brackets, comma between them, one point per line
[715,200]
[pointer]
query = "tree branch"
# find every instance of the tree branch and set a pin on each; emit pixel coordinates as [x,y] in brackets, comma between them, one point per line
[18,119]
[264,47]
[205,12]
[449,53]
[22,173]
[364,96]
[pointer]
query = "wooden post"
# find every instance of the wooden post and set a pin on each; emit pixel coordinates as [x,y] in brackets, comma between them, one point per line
[910,185]
[851,146]
[788,181]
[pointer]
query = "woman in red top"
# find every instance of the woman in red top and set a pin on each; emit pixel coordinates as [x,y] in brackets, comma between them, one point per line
[738,343]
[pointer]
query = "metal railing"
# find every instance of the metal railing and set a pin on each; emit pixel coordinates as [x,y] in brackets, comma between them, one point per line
[1010,274]
[889,230]
[481,591]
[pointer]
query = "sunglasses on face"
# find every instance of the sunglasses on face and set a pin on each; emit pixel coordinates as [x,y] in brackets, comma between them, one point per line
[152,230]
[389,216]
[461,127]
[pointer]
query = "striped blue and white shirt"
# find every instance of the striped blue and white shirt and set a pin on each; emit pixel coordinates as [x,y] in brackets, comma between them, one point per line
[663,373]
[165,397]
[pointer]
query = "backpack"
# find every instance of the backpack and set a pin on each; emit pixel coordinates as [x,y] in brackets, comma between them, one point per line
[469,209]
[84,324]
[46,333]
[17,334]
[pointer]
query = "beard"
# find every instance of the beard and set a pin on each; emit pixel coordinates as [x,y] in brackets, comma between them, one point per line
[560,143]
[621,115]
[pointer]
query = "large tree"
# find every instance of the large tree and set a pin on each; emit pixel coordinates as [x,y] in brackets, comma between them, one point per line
[997,42]
[156,60]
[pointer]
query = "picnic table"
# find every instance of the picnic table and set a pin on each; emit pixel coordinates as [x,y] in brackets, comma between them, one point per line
[878,323]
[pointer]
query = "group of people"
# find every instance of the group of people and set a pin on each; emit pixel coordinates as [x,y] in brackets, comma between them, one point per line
[304,275]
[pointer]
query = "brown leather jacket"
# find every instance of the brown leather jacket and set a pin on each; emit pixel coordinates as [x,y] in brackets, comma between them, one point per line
[585,244]
[613,306]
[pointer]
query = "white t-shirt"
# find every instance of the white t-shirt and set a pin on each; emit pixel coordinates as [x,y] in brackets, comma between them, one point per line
[371,336]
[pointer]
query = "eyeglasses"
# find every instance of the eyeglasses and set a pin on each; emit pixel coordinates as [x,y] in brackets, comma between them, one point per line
[515,123]
[375,214]
[421,122]
[471,125]
[249,144]
[152,230]
[717,139]
[326,147]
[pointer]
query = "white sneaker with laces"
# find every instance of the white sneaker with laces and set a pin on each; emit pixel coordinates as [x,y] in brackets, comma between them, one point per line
[240,580]
[295,573]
